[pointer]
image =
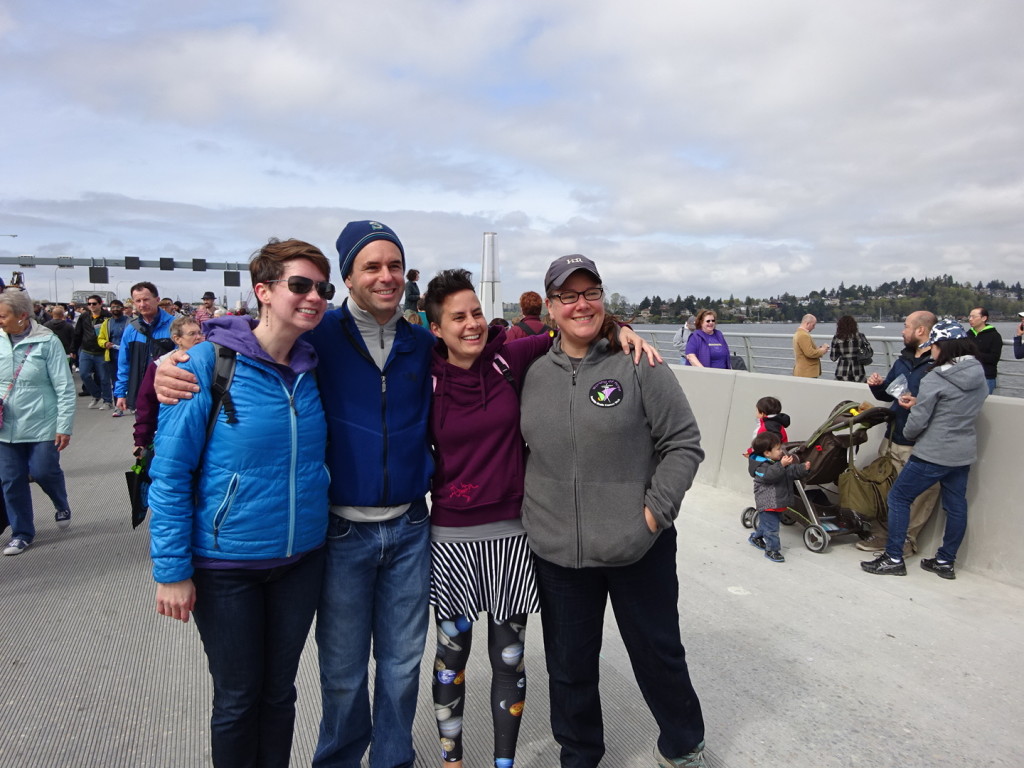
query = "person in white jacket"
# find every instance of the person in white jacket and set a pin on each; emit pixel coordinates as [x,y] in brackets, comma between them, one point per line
[38,395]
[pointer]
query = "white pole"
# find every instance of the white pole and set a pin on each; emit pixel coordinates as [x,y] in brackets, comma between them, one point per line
[490,278]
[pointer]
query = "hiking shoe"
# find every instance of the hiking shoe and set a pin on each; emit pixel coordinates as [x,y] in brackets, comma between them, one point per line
[16,547]
[117,412]
[944,570]
[63,518]
[103,407]
[693,759]
[883,565]
[775,556]
[873,543]
[95,403]
[756,541]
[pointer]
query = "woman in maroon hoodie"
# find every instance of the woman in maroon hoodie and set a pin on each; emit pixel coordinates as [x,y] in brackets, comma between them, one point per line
[481,561]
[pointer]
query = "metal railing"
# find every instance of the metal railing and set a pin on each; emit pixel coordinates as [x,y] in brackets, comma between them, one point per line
[773,353]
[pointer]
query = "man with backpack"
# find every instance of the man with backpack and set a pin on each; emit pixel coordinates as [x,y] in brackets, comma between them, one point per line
[531,324]
[146,338]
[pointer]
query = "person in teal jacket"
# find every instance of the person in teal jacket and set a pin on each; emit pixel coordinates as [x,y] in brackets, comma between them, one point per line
[38,397]
[238,525]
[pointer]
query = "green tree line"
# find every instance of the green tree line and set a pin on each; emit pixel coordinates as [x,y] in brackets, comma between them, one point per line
[892,300]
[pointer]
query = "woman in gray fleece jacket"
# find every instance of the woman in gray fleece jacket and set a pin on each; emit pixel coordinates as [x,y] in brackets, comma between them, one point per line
[612,449]
[942,424]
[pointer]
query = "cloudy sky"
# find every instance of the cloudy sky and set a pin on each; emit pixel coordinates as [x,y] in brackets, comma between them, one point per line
[736,147]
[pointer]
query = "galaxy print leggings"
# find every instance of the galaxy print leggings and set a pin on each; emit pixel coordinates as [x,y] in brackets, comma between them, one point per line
[508,684]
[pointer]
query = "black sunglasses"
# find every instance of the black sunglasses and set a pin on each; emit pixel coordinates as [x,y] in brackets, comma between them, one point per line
[304,285]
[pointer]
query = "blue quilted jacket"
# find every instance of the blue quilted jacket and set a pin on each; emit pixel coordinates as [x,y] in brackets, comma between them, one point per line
[262,488]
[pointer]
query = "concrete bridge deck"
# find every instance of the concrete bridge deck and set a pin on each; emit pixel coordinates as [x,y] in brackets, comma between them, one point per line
[810,664]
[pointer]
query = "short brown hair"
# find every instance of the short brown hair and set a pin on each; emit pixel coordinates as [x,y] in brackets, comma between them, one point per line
[268,262]
[530,303]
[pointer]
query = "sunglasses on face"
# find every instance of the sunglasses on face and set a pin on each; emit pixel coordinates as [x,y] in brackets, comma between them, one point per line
[304,285]
[92,303]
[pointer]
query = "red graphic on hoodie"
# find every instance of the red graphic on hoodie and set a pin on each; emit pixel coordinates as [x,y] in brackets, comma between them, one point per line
[462,491]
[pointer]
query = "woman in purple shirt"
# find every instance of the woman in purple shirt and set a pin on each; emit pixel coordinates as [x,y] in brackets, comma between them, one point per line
[706,347]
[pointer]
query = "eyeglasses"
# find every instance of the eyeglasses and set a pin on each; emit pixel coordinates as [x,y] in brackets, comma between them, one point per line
[710,320]
[93,303]
[191,334]
[571,297]
[304,285]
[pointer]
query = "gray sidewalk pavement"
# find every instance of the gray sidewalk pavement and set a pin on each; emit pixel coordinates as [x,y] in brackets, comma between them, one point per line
[808,663]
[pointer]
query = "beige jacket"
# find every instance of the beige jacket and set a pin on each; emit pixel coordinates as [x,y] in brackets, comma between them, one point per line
[806,355]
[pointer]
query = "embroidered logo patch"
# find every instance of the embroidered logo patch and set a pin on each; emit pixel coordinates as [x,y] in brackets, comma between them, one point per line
[606,393]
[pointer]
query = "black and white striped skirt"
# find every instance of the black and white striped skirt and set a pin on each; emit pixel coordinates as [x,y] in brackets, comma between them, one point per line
[494,575]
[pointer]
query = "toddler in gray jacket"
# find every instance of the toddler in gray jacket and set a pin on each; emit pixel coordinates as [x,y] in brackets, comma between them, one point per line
[773,472]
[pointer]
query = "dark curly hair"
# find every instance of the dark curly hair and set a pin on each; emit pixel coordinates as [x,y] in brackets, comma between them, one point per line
[443,285]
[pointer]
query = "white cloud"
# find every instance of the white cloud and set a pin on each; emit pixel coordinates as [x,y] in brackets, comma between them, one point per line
[736,147]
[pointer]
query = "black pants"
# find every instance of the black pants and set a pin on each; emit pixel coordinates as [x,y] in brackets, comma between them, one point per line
[644,596]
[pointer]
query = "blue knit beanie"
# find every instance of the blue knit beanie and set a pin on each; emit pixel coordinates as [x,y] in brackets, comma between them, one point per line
[356,235]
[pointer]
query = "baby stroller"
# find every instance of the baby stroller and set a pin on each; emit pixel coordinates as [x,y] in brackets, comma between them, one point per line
[830,450]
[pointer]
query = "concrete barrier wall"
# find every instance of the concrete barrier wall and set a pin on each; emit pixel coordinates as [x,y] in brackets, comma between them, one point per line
[723,402]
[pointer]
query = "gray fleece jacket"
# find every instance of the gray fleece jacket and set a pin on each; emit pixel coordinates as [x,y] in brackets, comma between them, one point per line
[603,443]
[942,420]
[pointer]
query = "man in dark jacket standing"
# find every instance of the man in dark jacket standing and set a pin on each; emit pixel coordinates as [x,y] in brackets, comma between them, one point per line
[65,331]
[989,343]
[913,363]
[90,356]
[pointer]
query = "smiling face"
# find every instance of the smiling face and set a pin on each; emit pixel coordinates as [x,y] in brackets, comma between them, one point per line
[580,323]
[463,328]
[376,281]
[708,323]
[293,313]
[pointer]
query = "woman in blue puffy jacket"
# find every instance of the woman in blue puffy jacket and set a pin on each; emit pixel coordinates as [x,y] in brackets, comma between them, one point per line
[239,519]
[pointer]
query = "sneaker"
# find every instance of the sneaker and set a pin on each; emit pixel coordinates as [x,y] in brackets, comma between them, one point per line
[873,543]
[95,403]
[876,543]
[16,547]
[63,518]
[884,565]
[103,407]
[756,541]
[944,570]
[775,556]
[693,759]
[117,412]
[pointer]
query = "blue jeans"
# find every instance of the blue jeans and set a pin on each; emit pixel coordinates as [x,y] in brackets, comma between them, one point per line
[42,462]
[376,587]
[917,477]
[768,528]
[254,624]
[93,370]
[645,598]
[991,385]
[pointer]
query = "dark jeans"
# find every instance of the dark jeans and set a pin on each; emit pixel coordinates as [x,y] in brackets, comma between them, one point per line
[254,625]
[41,461]
[644,597]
